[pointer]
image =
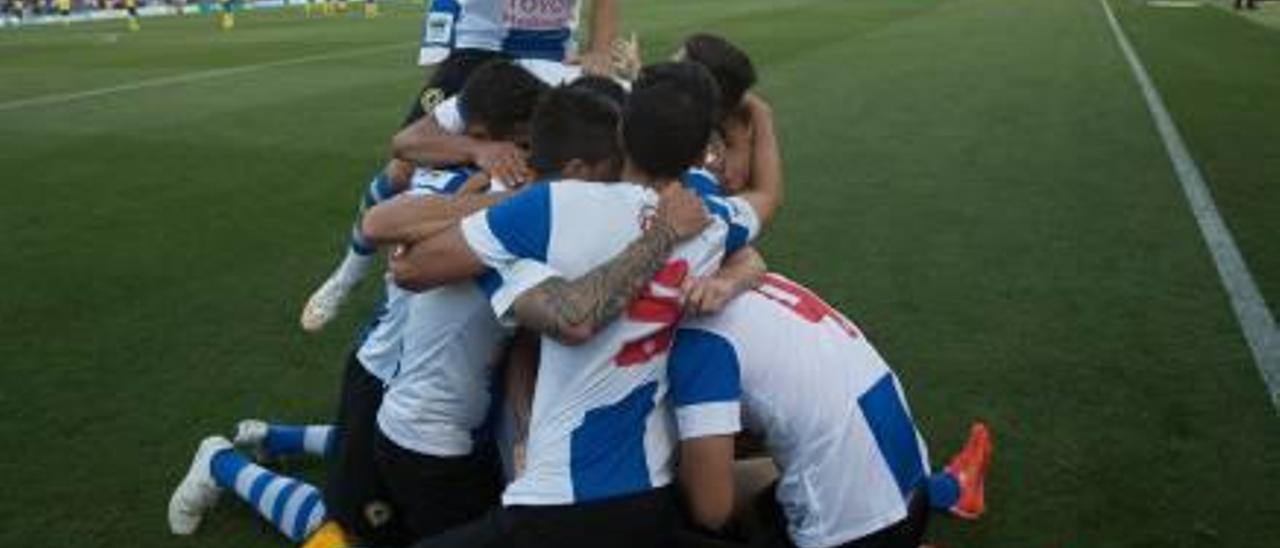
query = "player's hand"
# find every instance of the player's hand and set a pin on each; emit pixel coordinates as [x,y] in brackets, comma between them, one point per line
[682,211]
[706,296]
[626,57]
[503,161]
[476,184]
[595,63]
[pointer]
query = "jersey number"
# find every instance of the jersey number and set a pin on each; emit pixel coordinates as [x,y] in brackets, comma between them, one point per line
[803,302]
[659,303]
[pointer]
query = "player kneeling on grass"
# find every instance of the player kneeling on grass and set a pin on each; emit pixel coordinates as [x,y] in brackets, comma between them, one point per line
[600,453]
[385,484]
[499,100]
[854,470]
[440,387]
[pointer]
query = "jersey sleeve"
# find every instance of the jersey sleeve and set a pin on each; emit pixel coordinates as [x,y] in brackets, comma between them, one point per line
[504,285]
[744,223]
[706,384]
[511,239]
[448,115]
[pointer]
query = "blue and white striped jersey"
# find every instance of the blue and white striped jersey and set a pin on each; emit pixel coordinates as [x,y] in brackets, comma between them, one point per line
[524,29]
[378,346]
[831,411]
[600,426]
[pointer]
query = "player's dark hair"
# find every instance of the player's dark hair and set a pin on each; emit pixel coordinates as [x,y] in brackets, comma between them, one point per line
[607,88]
[731,67]
[573,123]
[500,95]
[668,118]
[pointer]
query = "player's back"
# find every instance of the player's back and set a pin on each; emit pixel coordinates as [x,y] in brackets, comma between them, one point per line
[440,394]
[542,29]
[831,411]
[599,426]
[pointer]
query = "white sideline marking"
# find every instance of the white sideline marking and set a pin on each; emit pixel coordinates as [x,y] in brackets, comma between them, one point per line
[56,98]
[1251,309]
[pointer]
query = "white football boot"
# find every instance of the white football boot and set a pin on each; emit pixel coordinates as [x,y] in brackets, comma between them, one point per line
[197,492]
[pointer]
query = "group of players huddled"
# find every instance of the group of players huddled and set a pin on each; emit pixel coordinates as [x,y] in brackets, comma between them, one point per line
[577,329]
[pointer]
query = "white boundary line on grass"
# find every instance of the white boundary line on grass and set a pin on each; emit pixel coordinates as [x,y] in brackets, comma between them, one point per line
[189,77]
[1251,309]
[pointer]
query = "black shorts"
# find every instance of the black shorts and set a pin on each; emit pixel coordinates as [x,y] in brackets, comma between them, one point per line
[433,494]
[645,520]
[447,80]
[907,533]
[354,495]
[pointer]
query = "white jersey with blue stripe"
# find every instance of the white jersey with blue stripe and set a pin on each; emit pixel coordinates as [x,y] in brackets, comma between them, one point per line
[536,29]
[379,345]
[831,411]
[600,426]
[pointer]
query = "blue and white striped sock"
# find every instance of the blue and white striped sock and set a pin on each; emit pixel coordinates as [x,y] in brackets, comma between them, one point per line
[360,251]
[288,439]
[295,508]
[380,190]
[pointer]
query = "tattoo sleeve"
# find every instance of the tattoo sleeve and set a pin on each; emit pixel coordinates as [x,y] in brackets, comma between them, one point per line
[570,311]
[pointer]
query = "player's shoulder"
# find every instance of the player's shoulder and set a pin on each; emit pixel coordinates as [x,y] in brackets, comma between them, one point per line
[702,181]
[553,73]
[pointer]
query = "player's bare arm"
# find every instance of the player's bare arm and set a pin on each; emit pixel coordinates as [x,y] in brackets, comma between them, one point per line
[765,187]
[441,259]
[707,480]
[407,220]
[597,59]
[521,380]
[740,272]
[426,143]
[572,311]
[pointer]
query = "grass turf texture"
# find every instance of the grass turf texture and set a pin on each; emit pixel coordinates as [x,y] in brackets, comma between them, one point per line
[976,182]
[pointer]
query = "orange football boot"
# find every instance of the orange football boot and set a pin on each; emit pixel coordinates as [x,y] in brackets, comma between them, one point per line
[969,467]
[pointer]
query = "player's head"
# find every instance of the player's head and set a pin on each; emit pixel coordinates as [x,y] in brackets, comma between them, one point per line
[575,135]
[731,67]
[668,118]
[607,88]
[497,101]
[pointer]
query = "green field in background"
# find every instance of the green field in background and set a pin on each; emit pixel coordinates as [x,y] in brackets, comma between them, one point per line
[977,183]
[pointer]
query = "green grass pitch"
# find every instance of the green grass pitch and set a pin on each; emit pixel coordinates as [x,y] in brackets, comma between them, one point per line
[976,182]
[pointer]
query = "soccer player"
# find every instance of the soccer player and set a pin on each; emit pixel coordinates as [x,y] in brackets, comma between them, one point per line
[227,19]
[359,497]
[370,9]
[441,342]
[500,100]
[64,9]
[854,470]
[599,456]
[460,36]
[131,7]
[735,74]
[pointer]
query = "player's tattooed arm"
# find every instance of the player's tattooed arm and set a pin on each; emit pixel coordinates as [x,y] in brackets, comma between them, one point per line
[740,272]
[411,219]
[572,311]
